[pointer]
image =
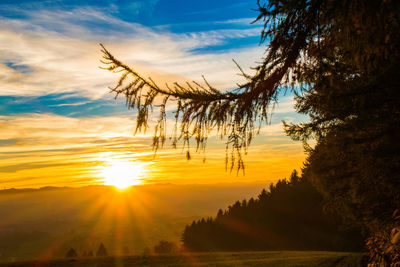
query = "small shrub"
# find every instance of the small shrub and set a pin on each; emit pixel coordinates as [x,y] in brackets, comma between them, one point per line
[71,253]
[165,247]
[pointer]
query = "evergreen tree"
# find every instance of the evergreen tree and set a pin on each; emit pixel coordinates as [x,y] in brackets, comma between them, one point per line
[102,251]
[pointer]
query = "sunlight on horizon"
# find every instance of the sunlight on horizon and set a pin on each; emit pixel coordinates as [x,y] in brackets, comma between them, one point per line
[122,174]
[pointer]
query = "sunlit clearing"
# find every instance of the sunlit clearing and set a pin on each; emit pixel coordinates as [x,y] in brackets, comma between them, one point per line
[122,174]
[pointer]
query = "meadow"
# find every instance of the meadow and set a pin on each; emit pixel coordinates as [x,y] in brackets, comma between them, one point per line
[262,258]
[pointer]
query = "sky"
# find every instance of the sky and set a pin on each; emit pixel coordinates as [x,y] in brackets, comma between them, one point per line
[59,124]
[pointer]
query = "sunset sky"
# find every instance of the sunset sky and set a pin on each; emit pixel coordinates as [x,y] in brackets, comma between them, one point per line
[60,126]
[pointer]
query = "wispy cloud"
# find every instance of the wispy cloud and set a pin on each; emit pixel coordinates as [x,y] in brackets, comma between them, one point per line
[52,148]
[55,53]
[63,56]
[71,104]
[50,125]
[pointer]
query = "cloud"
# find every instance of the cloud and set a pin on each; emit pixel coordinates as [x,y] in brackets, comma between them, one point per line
[58,150]
[72,104]
[49,125]
[60,50]
[56,52]
[47,147]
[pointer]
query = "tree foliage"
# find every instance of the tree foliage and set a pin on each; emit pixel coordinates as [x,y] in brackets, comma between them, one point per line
[235,114]
[352,98]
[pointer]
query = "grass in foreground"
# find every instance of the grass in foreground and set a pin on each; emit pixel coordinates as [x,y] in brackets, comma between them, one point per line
[265,258]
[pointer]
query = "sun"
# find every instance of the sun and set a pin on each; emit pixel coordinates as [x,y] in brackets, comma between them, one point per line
[122,174]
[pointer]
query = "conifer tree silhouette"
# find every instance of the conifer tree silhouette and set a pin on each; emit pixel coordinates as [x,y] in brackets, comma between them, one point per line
[102,251]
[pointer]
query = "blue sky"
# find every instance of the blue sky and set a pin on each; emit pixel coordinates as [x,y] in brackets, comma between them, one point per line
[227,26]
[149,13]
[54,98]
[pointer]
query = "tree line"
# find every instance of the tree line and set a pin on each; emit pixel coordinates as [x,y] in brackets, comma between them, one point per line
[289,215]
[101,252]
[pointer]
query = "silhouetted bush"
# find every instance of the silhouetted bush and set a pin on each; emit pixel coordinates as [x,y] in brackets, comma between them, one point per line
[71,253]
[164,247]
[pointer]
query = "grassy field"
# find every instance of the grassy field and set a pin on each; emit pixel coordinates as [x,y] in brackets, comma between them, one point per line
[265,258]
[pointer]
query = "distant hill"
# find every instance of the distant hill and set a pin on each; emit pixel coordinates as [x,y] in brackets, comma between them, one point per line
[47,222]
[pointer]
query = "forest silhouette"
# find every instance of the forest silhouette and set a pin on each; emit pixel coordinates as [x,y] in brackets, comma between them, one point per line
[287,216]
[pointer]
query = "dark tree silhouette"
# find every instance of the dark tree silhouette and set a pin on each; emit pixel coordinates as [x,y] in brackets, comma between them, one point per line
[102,251]
[71,253]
